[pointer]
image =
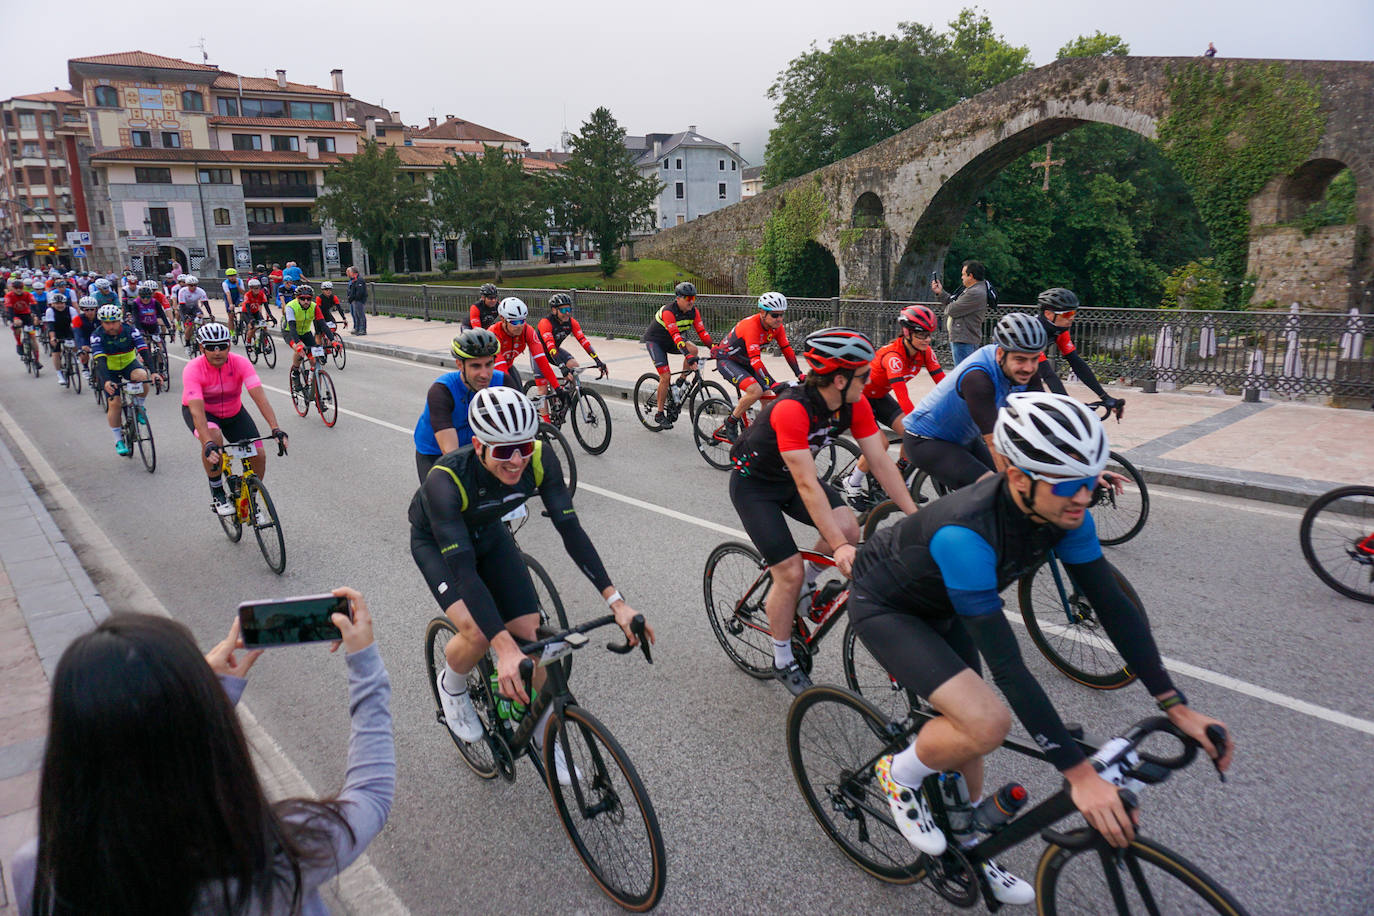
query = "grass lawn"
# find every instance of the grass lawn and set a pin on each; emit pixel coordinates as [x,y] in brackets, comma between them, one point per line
[642,273]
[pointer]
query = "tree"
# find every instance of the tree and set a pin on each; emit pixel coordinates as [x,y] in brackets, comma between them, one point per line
[604,191]
[490,199]
[369,198]
[1095,45]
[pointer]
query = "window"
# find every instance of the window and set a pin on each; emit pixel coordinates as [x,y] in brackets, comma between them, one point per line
[216,176]
[326,143]
[229,108]
[95,178]
[296,179]
[720,189]
[264,108]
[100,215]
[47,118]
[678,163]
[722,165]
[161,218]
[106,97]
[14,149]
[144,175]
[9,119]
[171,139]
[247,141]
[665,168]
[38,203]
[312,111]
[733,165]
[27,120]
[59,176]
[285,144]
[192,101]
[295,214]
[681,191]
[221,216]
[261,215]
[32,150]
[36,175]
[681,219]
[141,138]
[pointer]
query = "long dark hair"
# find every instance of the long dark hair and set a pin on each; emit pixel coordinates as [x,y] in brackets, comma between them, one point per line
[148,801]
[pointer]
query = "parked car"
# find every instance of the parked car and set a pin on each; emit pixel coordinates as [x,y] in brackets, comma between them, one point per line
[557,253]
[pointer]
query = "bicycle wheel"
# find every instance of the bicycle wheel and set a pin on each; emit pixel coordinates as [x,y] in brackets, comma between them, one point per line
[708,421]
[551,611]
[339,352]
[300,399]
[74,373]
[606,811]
[835,456]
[1064,627]
[553,439]
[591,422]
[233,527]
[1337,538]
[866,676]
[250,348]
[884,515]
[735,585]
[1120,516]
[1145,877]
[926,489]
[98,390]
[269,349]
[477,755]
[271,541]
[708,389]
[646,400]
[832,739]
[143,432]
[326,400]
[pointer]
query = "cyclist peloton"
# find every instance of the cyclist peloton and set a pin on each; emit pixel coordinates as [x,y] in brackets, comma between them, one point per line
[924,600]
[514,333]
[115,351]
[483,314]
[443,424]
[20,304]
[470,560]
[300,319]
[775,476]
[666,331]
[60,320]
[741,357]
[212,408]
[1057,309]
[555,327]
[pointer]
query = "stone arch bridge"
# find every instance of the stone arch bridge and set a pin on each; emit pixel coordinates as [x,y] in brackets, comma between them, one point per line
[895,207]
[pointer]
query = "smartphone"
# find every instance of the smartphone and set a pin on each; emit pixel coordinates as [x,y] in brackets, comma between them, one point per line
[288,621]
[934,276]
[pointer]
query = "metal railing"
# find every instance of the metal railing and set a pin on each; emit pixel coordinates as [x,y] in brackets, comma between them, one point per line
[1296,354]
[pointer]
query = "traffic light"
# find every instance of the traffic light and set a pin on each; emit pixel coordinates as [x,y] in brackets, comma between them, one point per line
[52,249]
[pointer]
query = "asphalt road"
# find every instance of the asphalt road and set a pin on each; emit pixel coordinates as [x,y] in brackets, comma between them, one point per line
[1223,580]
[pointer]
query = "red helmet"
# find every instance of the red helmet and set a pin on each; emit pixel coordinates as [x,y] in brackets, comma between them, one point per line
[917,318]
[835,349]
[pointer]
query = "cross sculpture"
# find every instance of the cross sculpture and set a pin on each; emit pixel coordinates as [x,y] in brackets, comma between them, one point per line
[1049,148]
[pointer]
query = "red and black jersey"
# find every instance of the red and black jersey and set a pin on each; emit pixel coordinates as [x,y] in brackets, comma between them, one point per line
[797,419]
[1059,335]
[554,332]
[513,345]
[892,368]
[20,303]
[482,316]
[669,324]
[745,342]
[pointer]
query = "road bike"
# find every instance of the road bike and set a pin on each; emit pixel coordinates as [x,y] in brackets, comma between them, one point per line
[1337,538]
[334,344]
[253,506]
[33,360]
[606,811]
[257,342]
[714,444]
[71,365]
[834,738]
[591,419]
[134,423]
[687,390]
[311,384]
[158,363]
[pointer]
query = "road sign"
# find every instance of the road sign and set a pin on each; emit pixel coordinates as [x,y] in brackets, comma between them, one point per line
[78,251]
[141,239]
[331,255]
[243,257]
[79,238]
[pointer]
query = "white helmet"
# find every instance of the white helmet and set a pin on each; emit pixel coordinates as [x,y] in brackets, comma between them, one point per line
[500,415]
[513,309]
[772,302]
[109,312]
[87,302]
[326,285]
[192,279]
[1051,434]
[213,333]
[181,278]
[254,283]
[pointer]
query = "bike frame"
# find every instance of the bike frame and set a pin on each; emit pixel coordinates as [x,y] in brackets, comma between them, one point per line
[812,631]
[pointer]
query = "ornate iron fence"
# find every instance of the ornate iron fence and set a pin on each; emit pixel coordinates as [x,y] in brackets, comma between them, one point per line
[1290,353]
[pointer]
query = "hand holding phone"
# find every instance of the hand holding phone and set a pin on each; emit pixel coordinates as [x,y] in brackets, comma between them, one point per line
[355,624]
[290,621]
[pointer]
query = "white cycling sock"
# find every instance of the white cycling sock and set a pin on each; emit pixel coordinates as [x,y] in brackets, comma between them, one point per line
[813,572]
[454,684]
[782,653]
[908,769]
[857,478]
[118,433]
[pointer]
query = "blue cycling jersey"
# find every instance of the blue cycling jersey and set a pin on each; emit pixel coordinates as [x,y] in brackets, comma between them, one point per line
[425,442]
[944,414]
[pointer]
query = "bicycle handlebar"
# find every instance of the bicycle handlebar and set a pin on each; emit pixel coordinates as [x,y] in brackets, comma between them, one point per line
[244,443]
[1118,408]
[636,627]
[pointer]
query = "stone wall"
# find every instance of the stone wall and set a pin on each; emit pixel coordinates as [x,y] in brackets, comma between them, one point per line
[1316,271]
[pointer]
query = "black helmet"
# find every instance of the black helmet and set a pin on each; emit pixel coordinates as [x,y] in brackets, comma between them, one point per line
[488,290]
[261,268]
[559,300]
[475,343]
[1058,300]
[304,291]
[1017,332]
[685,289]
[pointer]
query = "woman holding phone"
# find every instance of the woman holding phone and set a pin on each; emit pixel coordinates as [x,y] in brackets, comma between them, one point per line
[149,802]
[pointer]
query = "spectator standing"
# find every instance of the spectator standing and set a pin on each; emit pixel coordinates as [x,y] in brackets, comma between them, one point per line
[292,274]
[357,301]
[275,276]
[965,309]
[1211,50]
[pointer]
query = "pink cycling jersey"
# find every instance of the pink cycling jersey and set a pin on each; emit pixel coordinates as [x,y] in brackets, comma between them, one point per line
[221,389]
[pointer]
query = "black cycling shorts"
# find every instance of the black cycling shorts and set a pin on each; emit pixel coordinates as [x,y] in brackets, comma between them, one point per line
[763,507]
[950,463]
[235,429]
[423,463]
[886,410]
[513,379]
[558,359]
[500,565]
[658,354]
[738,372]
[921,654]
[126,373]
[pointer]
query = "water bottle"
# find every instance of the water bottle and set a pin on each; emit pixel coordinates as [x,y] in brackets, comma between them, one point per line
[1000,807]
[828,592]
[503,707]
[518,709]
[676,391]
[958,808]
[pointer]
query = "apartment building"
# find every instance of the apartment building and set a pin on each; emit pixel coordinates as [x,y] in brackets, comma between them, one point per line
[699,175]
[41,190]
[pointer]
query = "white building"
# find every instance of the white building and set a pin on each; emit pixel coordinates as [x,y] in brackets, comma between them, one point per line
[699,175]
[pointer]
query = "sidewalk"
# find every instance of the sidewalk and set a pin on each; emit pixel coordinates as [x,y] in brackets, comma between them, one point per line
[1278,451]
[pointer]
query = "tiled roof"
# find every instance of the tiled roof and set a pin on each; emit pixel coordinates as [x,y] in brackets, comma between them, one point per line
[268,84]
[143,59]
[548,155]
[57,95]
[458,129]
[435,156]
[212,156]
[751,173]
[645,153]
[283,123]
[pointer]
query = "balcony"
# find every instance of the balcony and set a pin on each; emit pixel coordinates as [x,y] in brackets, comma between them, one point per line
[252,191]
[283,228]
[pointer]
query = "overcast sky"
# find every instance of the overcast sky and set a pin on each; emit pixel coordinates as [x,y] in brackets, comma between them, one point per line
[530,66]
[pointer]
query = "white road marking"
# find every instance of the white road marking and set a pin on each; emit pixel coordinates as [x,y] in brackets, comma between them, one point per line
[1272,512]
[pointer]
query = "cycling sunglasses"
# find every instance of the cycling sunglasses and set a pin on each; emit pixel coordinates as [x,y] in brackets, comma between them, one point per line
[565,309]
[1065,488]
[1069,314]
[511,450]
[515,322]
[217,347]
[922,335]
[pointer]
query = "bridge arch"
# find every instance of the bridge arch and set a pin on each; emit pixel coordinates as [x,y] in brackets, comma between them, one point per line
[868,212]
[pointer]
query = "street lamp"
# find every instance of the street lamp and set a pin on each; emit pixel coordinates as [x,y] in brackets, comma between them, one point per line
[147,225]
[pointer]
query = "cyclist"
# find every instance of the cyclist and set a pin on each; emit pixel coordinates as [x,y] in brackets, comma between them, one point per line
[148,312]
[949,434]
[191,294]
[82,331]
[212,407]
[924,600]
[300,319]
[128,286]
[59,319]
[482,314]
[20,305]
[233,294]
[774,477]
[472,564]
[555,327]
[741,356]
[40,294]
[515,334]
[255,305]
[115,351]
[329,303]
[1057,309]
[895,364]
[443,424]
[666,331]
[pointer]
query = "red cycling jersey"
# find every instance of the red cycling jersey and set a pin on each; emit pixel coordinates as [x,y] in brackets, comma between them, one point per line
[513,346]
[745,343]
[254,301]
[1064,342]
[798,419]
[480,314]
[20,303]
[555,332]
[893,368]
